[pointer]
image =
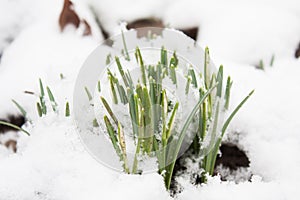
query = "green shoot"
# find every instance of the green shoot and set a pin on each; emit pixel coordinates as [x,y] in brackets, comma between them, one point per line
[193,77]
[39,109]
[122,144]
[227,92]
[110,112]
[67,111]
[89,95]
[127,57]
[235,111]
[21,109]
[52,100]
[95,123]
[153,115]
[206,65]
[213,154]
[261,65]
[187,86]
[99,86]
[173,66]
[108,59]
[182,134]
[125,79]
[272,60]
[139,59]
[111,133]
[42,98]
[113,90]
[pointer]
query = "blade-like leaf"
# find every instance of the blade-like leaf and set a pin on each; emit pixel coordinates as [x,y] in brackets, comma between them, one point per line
[182,135]
[14,126]
[22,110]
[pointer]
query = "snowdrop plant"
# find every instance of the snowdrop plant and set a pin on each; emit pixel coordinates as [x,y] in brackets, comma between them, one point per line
[41,107]
[153,114]
[209,113]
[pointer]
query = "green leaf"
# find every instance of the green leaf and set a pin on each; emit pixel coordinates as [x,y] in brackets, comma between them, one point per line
[22,110]
[41,88]
[14,126]
[227,122]
[261,65]
[109,110]
[171,120]
[122,93]
[121,139]
[182,134]
[187,86]
[67,112]
[141,63]
[42,98]
[193,76]
[39,109]
[95,123]
[164,60]
[272,60]
[113,90]
[220,81]
[90,97]
[213,154]
[227,92]
[108,59]
[121,71]
[206,64]
[99,86]
[52,100]
[112,136]
[127,57]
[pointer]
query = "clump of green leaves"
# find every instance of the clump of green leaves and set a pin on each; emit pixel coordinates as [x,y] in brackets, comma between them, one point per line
[41,107]
[150,110]
[262,65]
[209,114]
[153,114]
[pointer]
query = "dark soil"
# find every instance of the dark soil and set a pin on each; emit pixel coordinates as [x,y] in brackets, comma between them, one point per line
[154,22]
[232,157]
[146,22]
[178,169]
[17,120]
[191,32]
[297,53]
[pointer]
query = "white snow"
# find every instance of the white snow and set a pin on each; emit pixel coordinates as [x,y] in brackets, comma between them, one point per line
[52,163]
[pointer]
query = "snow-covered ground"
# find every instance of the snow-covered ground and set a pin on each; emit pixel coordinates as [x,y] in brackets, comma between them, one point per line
[53,164]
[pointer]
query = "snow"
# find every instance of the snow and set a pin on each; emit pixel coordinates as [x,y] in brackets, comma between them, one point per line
[53,164]
[224,190]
